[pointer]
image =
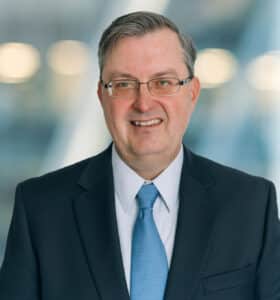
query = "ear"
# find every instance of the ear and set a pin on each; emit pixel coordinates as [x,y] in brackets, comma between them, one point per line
[100,92]
[195,89]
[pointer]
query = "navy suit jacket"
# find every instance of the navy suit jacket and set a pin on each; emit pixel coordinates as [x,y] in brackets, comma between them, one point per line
[63,241]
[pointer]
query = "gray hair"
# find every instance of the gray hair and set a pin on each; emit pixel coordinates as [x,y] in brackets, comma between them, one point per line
[138,24]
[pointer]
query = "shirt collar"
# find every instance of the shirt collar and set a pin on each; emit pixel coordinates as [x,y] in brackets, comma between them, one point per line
[127,182]
[168,181]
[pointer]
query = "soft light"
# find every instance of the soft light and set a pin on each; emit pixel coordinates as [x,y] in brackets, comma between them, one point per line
[215,67]
[69,58]
[149,5]
[18,62]
[264,72]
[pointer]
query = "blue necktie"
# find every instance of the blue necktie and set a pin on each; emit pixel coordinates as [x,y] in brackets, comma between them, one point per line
[149,267]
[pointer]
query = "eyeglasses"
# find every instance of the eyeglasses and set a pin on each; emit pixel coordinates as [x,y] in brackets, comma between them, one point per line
[127,88]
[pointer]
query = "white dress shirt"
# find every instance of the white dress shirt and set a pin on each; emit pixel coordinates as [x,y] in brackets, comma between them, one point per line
[127,183]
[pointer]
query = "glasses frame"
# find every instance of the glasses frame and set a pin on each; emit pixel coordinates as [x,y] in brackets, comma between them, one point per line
[181,82]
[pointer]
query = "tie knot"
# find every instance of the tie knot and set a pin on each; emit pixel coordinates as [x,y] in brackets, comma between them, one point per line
[147,195]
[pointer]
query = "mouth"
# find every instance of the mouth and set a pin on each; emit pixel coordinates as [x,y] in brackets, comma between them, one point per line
[147,123]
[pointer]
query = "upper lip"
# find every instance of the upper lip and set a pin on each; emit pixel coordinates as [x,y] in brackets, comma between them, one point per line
[146,120]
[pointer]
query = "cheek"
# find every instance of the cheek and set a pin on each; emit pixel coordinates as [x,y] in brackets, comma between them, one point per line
[181,118]
[179,113]
[115,115]
[109,115]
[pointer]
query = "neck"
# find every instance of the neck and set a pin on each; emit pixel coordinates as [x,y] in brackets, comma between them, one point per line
[149,166]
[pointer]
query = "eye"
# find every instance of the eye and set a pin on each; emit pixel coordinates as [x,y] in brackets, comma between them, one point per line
[163,82]
[124,84]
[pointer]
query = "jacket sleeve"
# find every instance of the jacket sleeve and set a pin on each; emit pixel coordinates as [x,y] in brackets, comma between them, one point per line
[19,274]
[268,276]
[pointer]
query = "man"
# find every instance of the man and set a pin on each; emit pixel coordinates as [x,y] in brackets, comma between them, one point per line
[147,218]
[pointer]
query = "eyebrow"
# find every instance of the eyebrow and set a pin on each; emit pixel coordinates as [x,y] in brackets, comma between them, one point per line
[121,75]
[167,72]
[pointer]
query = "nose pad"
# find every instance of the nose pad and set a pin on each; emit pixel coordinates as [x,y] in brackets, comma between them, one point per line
[143,86]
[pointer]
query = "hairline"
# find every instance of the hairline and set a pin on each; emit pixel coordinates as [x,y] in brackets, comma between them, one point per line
[123,36]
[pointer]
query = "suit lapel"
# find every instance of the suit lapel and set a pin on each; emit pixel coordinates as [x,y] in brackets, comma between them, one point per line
[96,220]
[194,226]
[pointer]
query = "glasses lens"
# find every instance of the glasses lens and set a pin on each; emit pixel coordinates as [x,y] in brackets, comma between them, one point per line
[123,88]
[163,86]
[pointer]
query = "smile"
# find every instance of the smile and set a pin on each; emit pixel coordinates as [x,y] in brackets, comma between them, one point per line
[146,123]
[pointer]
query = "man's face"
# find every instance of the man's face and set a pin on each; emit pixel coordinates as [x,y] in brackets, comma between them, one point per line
[147,126]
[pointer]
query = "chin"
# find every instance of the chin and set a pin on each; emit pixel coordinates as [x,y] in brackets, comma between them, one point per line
[149,150]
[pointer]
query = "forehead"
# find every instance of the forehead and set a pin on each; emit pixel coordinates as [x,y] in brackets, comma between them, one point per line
[142,55]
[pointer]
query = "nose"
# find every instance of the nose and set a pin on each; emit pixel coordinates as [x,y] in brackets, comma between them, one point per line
[143,99]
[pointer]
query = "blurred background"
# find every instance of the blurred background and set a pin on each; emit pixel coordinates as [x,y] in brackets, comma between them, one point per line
[49,113]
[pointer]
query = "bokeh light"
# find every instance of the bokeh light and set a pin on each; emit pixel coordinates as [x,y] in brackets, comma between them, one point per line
[69,58]
[18,62]
[264,72]
[214,67]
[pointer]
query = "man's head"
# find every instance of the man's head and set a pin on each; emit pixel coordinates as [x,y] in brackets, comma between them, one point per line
[147,120]
[138,24]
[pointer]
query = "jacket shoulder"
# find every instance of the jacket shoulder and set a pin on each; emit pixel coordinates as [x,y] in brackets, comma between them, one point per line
[64,180]
[216,172]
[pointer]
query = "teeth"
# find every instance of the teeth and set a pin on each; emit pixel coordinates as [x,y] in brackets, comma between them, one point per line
[147,123]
